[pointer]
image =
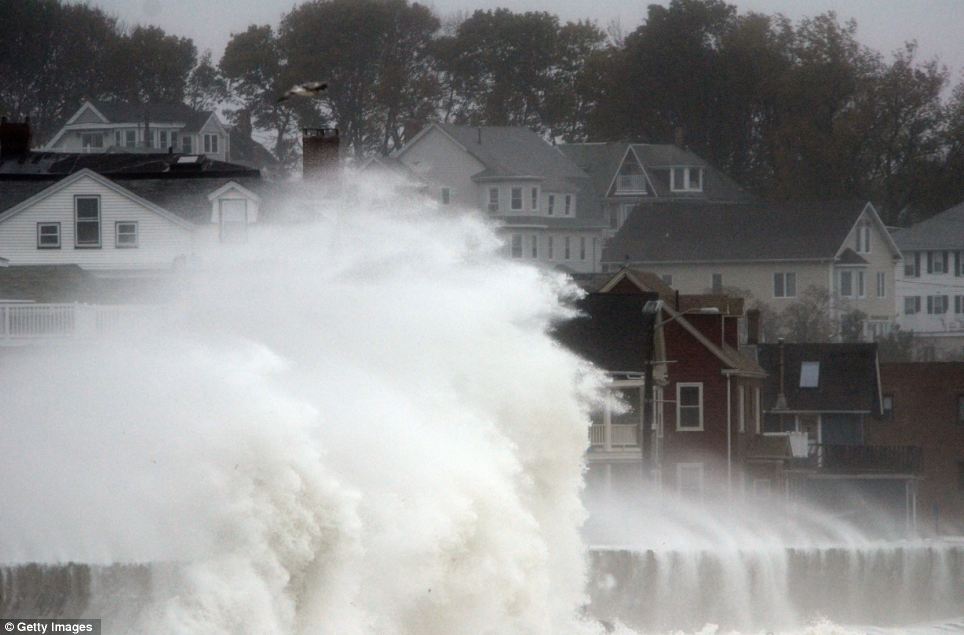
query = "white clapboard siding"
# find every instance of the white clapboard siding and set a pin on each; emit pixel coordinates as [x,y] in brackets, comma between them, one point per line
[161,240]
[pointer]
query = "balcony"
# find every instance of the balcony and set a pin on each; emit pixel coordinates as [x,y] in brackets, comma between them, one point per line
[631,184]
[620,436]
[864,459]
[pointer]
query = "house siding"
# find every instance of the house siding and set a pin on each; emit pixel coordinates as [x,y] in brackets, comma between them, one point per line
[160,239]
[880,259]
[442,163]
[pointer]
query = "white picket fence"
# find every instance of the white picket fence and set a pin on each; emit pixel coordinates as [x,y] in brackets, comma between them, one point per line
[25,322]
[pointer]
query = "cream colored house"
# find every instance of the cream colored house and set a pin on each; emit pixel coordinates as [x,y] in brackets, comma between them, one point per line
[773,251]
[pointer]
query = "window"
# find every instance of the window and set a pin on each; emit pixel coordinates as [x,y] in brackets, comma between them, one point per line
[741,407]
[125,235]
[861,290]
[784,285]
[809,374]
[118,138]
[551,205]
[667,278]
[888,406]
[881,284]
[566,251]
[937,262]
[534,244]
[446,196]
[149,138]
[130,138]
[535,198]
[863,238]
[211,143]
[912,265]
[568,206]
[493,199]
[686,180]
[846,284]
[689,406]
[187,147]
[92,140]
[234,220]
[959,304]
[689,479]
[48,235]
[516,201]
[911,304]
[162,136]
[937,304]
[549,245]
[717,281]
[87,219]
[516,251]
[582,248]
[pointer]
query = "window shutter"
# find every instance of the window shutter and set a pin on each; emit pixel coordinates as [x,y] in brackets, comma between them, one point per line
[930,305]
[917,264]
[930,262]
[957,264]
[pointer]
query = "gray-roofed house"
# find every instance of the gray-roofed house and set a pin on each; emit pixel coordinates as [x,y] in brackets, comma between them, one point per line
[99,126]
[626,175]
[119,214]
[773,251]
[930,285]
[544,202]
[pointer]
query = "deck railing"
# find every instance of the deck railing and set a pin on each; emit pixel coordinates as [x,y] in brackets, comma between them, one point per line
[621,435]
[887,459]
[630,183]
[25,322]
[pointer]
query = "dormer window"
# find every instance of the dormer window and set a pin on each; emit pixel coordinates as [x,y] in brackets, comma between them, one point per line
[809,374]
[686,179]
[233,220]
[863,238]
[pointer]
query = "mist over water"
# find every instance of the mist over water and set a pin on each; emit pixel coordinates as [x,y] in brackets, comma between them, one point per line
[357,424]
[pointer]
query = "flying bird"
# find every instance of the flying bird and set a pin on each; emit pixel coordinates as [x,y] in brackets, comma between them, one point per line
[308,89]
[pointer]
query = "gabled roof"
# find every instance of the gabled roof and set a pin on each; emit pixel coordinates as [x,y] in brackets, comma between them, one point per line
[942,231]
[125,112]
[611,331]
[244,150]
[850,257]
[848,378]
[690,231]
[602,161]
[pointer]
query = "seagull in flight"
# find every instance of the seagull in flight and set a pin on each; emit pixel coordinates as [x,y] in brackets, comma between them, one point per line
[307,89]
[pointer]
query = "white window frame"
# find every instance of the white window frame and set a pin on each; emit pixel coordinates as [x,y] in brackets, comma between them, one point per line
[85,136]
[914,304]
[117,234]
[534,199]
[785,278]
[77,221]
[881,284]
[130,138]
[493,204]
[741,407]
[695,467]
[512,199]
[567,209]
[551,205]
[688,182]
[162,140]
[863,238]
[840,283]
[221,224]
[861,284]
[210,143]
[679,405]
[810,372]
[582,248]
[187,144]
[40,235]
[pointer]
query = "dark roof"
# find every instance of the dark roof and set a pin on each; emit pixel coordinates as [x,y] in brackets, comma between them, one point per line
[15,192]
[942,231]
[187,198]
[602,160]
[45,164]
[850,257]
[124,112]
[692,231]
[612,331]
[848,377]
[246,151]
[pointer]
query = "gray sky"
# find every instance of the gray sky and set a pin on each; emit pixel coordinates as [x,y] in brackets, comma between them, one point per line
[882,24]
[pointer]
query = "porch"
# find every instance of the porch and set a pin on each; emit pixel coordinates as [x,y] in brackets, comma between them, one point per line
[25,322]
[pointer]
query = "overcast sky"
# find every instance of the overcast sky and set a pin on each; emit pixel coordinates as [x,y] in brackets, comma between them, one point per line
[882,24]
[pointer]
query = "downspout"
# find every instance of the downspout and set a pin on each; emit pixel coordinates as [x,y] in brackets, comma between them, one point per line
[729,440]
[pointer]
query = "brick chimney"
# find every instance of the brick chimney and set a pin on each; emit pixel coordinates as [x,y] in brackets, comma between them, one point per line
[14,138]
[319,151]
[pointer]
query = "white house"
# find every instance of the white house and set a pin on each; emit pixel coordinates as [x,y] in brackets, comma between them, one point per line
[99,126]
[543,201]
[930,285]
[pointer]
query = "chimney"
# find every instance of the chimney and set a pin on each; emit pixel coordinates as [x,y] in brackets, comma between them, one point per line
[243,123]
[14,138]
[679,136]
[753,327]
[319,151]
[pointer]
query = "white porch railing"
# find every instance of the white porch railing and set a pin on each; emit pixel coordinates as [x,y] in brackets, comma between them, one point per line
[630,183]
[24,322]
[621,435]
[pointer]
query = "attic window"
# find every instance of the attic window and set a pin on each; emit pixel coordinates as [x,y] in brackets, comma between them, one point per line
[686,179]
[809,374]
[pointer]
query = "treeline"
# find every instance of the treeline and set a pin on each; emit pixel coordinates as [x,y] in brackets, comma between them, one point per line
[791,110]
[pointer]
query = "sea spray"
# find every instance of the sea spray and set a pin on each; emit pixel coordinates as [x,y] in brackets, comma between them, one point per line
[352,424]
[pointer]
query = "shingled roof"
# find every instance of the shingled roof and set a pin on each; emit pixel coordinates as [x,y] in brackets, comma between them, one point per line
[691,231]
[124,112]
[942,231]
[611,331]
[848,378]
[131,164]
